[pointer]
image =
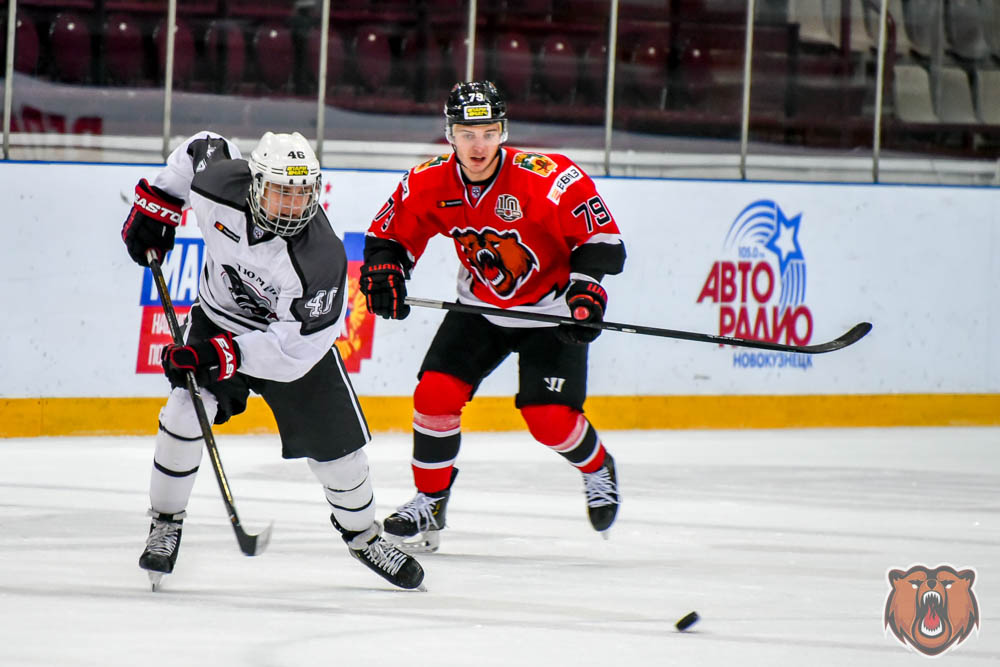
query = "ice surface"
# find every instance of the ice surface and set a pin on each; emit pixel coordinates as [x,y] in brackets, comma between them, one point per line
[781,540]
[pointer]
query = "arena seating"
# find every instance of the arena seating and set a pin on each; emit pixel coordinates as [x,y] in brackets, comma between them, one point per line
[27,48]
[558,68]
[373,54]
[274,55]
[184,53]
[123,48]
[69,39]
[225,54]
[679,63]
[513,65]
[336,57]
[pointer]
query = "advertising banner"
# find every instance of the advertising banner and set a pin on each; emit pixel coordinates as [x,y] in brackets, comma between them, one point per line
[785,262]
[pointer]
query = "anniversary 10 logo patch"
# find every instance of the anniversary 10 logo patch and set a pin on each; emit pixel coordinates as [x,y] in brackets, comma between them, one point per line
[759,285]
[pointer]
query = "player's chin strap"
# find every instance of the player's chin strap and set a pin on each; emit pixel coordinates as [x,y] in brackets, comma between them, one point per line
[856,333]
[250,545]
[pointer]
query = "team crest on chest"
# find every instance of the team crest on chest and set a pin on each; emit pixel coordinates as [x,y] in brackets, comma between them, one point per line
[499,259]
[508,208]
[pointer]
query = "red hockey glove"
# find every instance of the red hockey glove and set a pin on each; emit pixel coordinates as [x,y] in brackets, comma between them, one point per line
[384,287]
[587,302]
[151,223]
[212,360]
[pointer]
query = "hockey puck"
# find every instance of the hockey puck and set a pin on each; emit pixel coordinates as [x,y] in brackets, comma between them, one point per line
[687,621]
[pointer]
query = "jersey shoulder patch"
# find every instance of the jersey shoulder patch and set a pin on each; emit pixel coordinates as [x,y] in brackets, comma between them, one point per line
[566,178]
[433,162]
[225,182]
[536,163]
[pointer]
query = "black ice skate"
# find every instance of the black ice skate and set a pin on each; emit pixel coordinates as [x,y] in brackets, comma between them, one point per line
[416,526]
[601,489]
[162,545]
[380,556]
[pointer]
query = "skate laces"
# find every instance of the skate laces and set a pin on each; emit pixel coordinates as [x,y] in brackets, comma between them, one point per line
[384,556]
[420,511]
[599,488]
[163,537]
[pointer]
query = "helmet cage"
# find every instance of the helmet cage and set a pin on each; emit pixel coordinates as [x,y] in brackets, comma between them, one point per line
[284,170]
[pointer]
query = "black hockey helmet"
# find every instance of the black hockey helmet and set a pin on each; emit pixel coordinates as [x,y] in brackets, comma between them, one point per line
[475,103]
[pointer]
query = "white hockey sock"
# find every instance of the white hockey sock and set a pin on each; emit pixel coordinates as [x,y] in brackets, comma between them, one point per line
[179,445]
[348,489]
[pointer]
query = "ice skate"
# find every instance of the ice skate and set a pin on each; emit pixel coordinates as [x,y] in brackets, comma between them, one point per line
[416,526]
[162,545]
[601,490]
[382,557]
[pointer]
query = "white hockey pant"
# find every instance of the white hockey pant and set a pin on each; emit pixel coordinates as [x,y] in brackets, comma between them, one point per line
[348,489]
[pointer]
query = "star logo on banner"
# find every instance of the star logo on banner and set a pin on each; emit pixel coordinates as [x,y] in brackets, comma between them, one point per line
[326,191]
[785,241]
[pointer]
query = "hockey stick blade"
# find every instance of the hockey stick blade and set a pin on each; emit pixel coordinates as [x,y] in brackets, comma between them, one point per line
[250,545]
[856,333]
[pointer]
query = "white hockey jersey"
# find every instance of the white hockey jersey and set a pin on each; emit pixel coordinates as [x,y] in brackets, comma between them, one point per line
[283,298]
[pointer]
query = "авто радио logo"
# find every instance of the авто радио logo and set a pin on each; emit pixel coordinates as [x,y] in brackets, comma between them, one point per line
[761,286]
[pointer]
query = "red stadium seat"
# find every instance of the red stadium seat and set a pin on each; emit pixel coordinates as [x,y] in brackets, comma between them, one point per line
[275,55]
[26,44]
[336,57]
[70,41]
[645,71]
[123,48]
[424,67]
[184,55]
[558,67]
[374,56]
[225,51]
[594,70]
[513,65]
[457,47]
[694,77]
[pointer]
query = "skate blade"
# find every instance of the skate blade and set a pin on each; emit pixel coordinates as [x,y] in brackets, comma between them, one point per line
[154,579]
[425,543]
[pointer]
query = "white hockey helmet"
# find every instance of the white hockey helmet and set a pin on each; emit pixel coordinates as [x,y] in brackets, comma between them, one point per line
[285,185]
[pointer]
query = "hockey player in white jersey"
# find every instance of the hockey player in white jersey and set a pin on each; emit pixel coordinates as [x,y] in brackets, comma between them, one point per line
[271,303]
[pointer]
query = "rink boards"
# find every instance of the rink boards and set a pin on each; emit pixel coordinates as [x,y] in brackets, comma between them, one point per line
[789,262]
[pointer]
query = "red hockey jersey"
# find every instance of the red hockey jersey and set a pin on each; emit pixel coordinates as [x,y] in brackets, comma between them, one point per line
[537,222]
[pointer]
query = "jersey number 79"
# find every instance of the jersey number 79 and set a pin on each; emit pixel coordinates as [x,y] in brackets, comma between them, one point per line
[594,212]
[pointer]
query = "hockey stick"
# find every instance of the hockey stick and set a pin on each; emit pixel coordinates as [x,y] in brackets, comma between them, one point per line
[856,333]
[251,545]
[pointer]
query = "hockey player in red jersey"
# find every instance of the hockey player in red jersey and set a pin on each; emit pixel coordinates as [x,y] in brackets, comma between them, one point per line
[532,234]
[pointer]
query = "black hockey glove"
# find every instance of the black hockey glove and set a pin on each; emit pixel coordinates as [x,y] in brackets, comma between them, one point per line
[151,223]
[212,360]
[587,301]
[384,287]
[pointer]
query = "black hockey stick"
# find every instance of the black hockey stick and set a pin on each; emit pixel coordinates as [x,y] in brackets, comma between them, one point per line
[251,545]
[856,333]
